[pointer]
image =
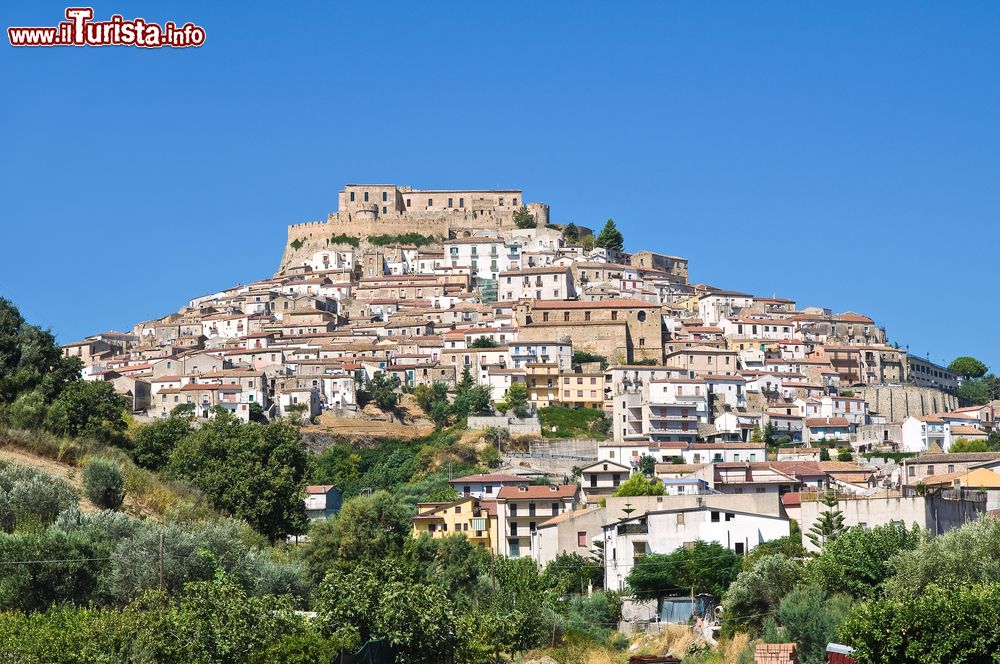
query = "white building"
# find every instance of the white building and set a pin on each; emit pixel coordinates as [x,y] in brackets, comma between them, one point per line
[485,257]
[665,531]
[539,283]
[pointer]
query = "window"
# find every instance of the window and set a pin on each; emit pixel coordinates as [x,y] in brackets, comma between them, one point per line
[407,202]
[586,315]
[641,316]
[458,509]
[739,548]
[565,315]
[616,479]
[385,197]
[581,538]
[614,315]
[352,196]
[730,516]
[715,517]
[449,202]
[680,518]
[461,202]
[430,202]
[366,197]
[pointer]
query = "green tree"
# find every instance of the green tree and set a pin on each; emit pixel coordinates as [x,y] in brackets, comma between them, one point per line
[829,524]
[571,573]
[640,485]
[88,408]
[383,390]
[153,443]
[516,400]
[974,390]
[940,625]
[484,342]
[963,556]
[647,465]
[993,442]
[810,618]
[28,411]
[183,410]
[377,600]
[367,527]
[523,218]
[610,237]
[571,233]
[103,483]
[452,562]
[31,499]
[30,358]
[844,455]
[960,445]
[858,560]
[968,367]
[705,567]
[757,592]
[254,472]
[789,546]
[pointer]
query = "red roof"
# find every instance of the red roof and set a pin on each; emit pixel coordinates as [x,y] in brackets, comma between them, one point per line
[538,491]
[490,477]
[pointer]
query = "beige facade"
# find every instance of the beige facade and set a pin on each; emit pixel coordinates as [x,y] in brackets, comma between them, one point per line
[620,330]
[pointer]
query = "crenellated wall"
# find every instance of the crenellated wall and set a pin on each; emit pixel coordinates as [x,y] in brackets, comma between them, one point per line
[314,236]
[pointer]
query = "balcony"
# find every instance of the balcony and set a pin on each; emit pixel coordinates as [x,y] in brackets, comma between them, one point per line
[633,529]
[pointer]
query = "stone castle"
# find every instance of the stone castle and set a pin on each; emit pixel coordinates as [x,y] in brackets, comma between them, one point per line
[386,209]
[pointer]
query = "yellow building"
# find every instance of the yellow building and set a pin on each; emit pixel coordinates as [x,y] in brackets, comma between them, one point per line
[542,379]
[584,388]
[469,516]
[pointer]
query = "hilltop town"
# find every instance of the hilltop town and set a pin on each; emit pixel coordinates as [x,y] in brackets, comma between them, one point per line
[741,413]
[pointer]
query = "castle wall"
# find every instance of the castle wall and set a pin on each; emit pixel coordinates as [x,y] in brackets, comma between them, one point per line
[898,402]
[363,223]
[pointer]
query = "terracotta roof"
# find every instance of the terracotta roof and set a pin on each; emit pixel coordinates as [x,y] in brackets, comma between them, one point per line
[537,491]
[491,477]
[827,422]
[595,304]
[319,488]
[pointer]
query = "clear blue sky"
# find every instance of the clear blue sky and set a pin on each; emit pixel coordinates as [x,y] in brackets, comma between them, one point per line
[843,154]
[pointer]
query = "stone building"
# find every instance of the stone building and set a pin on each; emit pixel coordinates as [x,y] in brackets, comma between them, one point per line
[620,330]
[367,210]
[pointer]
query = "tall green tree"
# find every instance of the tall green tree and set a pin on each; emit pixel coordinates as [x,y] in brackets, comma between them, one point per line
[968,367]
[153,443]
[256,473]
[571,233]
[88,408]
[367,527]
[516,400]
[523,218]
[30,358]
[829,524]
[610,237]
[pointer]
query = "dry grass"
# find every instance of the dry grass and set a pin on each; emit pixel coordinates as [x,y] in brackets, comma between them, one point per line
[146,494]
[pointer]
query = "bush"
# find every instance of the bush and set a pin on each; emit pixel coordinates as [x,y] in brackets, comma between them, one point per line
[29,498]
[104,484]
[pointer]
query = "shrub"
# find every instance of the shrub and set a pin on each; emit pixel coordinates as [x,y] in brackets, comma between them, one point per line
[103,483]
[29,498]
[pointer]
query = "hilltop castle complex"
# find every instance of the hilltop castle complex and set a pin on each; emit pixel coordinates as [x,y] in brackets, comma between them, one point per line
[366,210]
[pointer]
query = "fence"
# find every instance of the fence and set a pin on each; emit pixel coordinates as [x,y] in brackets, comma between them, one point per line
[517,427]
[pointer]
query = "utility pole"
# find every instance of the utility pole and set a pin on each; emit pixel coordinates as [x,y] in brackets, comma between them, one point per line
[161,560]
